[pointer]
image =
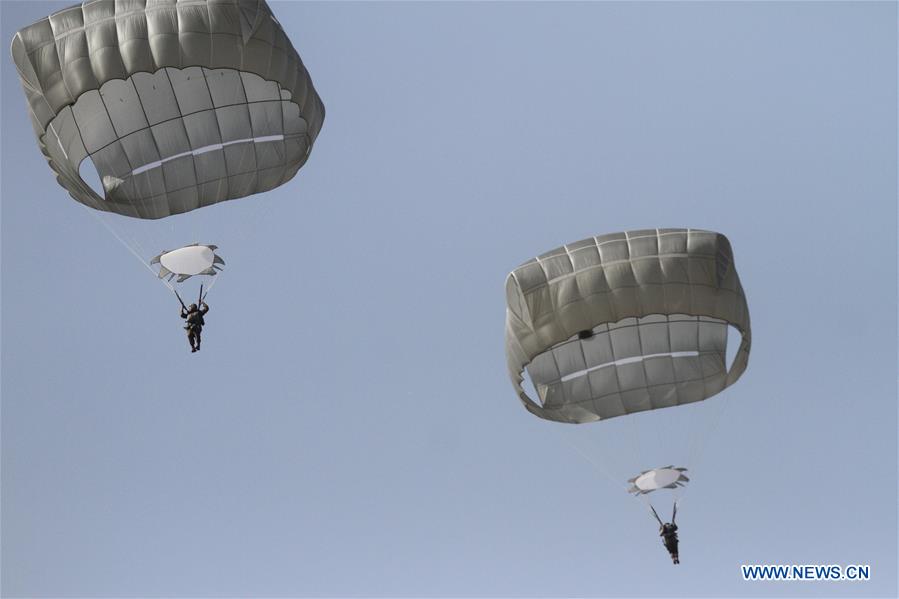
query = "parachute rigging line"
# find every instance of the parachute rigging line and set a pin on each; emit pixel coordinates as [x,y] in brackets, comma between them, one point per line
[126,245]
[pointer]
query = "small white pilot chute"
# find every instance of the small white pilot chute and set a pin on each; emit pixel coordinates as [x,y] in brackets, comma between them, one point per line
[188,261]
[648,481]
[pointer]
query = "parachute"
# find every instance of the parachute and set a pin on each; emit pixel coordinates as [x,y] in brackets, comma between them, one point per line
[167,107]
[178,105]
[626,323]
[189,261]
[648,481]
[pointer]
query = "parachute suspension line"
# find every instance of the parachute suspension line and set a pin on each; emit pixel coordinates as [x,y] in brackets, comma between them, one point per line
[656,425]
[129,246]
[698,450]
[210,286]
[700,436]
[635,442]
[613,477]
[694,433]
[129,241]
[695,423]
[650,509]
[180,301]
[260,206]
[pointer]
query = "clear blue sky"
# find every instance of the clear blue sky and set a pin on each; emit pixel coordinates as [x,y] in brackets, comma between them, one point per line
[349,428]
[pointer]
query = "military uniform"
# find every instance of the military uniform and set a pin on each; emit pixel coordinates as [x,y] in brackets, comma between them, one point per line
[194,324]
[668,532]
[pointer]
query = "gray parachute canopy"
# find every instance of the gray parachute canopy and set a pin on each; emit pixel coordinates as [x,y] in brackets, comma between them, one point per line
[178,104]
[623,323]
